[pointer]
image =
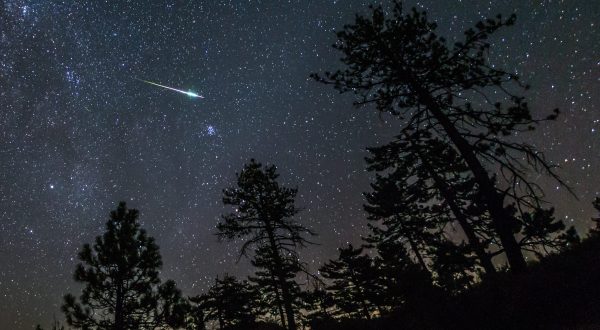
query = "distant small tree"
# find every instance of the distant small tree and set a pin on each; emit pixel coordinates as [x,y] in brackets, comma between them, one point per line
[263,218]
[353,282]
[228,302]
[121,287]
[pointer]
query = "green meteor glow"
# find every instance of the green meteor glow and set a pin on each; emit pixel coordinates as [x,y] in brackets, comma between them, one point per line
[190,94]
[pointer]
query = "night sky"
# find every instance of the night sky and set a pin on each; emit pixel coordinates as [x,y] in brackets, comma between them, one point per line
[79,132]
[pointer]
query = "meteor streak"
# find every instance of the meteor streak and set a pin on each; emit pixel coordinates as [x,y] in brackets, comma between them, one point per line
[190,94]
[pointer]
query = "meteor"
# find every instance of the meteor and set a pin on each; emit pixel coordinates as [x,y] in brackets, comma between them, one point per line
[190,94]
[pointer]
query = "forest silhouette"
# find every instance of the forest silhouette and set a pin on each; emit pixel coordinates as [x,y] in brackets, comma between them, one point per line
[454,165]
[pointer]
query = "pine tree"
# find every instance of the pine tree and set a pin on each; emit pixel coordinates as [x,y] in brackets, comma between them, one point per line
[195,319]
[317,305]
[55,325]
[399,213]
[266,282]
[263,218]
[596,230]
[435,186]
[353,282]
[403,67]
[228,302]
[542,234]
[453,265]
[122,289]
[394,273]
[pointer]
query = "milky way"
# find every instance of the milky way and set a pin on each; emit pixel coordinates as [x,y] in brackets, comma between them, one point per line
[78,134]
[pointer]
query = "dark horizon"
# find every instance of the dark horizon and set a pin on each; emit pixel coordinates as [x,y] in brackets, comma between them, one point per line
[80,133]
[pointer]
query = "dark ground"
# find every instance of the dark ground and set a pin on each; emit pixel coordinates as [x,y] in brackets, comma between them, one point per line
[560,292]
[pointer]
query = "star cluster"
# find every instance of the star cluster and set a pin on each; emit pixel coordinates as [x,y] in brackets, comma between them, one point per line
[80,132]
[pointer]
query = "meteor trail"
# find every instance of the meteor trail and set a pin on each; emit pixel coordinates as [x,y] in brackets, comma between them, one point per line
[191,94]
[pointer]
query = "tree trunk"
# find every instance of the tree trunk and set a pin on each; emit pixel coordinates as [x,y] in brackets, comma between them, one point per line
[278,271]
[417,253]
[119,308]
[279,302]
[221,320]
[365,310]
[287,301]
[501,220]
[445,190]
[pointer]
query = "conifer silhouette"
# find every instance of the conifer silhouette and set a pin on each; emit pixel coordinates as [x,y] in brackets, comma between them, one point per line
[228,302]
[266,282]
[353,282]
[399,64]
[425,188]
[263,219]
[121,287]
[596,229]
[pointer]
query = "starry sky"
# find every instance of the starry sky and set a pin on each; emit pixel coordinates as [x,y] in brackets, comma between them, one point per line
[80,133]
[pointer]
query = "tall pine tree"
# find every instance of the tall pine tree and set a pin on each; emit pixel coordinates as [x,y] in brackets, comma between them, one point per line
[421,191]
[121,287]
[263,218]
[402,66]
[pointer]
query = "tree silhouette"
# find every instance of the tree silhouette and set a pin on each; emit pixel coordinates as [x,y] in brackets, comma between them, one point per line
[122,289]
[353,282]
[452,92]
[543,234]
[596,229]
[423,189]
[195,319]
[395,273]
[55,325]
[453,265]
[266,282]
[263,218]
[398,214]
[317,303]
[229,302]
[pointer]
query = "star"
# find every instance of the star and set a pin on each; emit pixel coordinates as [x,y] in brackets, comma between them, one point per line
[79,134]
